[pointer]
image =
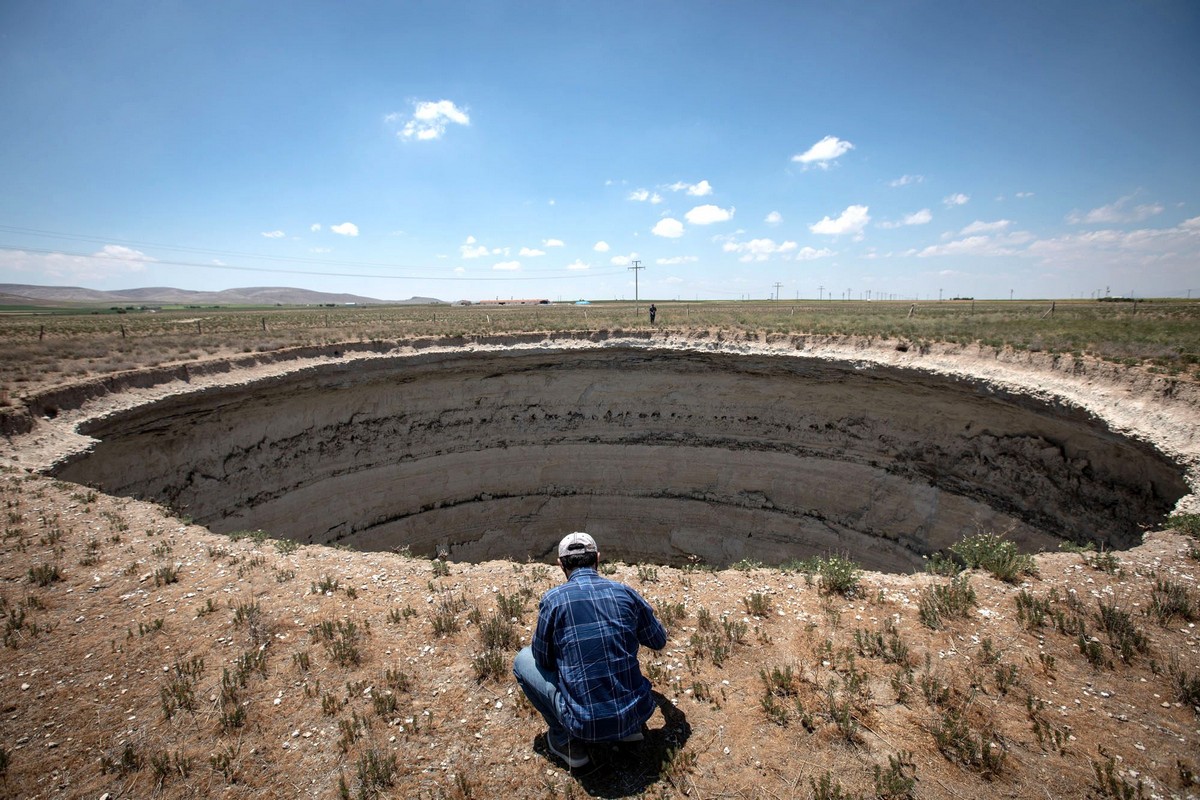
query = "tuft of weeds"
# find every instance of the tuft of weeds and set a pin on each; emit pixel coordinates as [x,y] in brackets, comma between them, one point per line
[44,574]
[827,788]
[997,555]
[499,633]
[1185,523]
[1169,600]
[489,665]
[647,573]
[838,576]
[899,779]
[670,613]
[511,605]
[179,693]
[940,601]
[342,640]
[285,547]
[327,585]
[960,743]
[376,771]
[440,568]
[166,575]
[1111,784]
[757,604]
[1031,611]
[1125,639]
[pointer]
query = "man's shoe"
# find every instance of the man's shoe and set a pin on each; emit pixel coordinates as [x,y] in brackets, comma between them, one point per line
[564,753]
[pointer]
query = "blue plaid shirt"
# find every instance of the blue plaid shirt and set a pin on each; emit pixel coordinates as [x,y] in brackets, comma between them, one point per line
[588,631]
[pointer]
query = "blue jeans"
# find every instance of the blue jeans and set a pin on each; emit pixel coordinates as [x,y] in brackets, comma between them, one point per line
[541,687]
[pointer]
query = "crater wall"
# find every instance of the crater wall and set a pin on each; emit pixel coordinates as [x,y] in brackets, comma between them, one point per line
[664,455]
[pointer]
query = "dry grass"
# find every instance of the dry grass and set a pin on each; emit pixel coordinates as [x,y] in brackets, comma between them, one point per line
[46,349]
[283,671]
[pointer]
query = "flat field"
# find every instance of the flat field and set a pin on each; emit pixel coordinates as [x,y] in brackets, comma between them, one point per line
[48,348]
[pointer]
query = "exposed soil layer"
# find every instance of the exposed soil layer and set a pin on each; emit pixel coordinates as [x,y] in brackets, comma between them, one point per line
[667,455]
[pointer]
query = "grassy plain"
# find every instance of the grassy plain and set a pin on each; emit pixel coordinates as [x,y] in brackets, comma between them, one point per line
[1162,335]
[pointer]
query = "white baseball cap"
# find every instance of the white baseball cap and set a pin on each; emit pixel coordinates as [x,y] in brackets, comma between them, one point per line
[577,542]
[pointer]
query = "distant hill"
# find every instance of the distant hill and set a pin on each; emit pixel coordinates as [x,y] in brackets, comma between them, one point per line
[15,293]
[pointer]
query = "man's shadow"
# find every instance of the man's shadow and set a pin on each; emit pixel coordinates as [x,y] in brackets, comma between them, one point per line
[621,769]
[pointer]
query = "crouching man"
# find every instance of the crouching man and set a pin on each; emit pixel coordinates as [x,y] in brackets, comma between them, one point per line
[581,671]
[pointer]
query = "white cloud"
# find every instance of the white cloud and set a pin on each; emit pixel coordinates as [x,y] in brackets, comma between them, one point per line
[470,249]
[708,214]
[316,226]
[320,250]
[906,180]
[1023,195]
[623,261]
[922,217]
[979,226]
[578,265]
[824,152]
[507,265]
[552,243]
[774,218]
[958,199]
[668,228]
[274,234]
[430,119]
[110,261]
[645,196]
[530,252]
[675,260]
[1000,245]
[1114,213]
[811,253]
[345,229]
[601,247]
[852,220]
[758,249]
[701,189]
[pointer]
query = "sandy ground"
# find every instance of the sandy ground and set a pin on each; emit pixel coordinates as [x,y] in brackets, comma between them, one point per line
[148,657]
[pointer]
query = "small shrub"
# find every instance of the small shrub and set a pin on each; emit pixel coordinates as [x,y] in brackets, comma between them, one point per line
[1169,600]
[499,633]
[995,554]
[44,574]
[1185,523]
[1123,636]
[938,601]
[838,576]
[670,613]
[166,575]
[898,780]
[1031,612]
[376,772]
[757,604]
[489,665]
[1110,784]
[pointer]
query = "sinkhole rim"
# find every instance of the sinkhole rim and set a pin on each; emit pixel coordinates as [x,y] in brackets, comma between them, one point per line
[880,358]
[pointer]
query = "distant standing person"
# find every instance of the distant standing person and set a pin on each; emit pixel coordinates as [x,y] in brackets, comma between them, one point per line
[581,671]
[653,311]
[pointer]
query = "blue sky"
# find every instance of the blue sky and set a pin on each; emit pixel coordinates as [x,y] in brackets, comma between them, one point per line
[483,150]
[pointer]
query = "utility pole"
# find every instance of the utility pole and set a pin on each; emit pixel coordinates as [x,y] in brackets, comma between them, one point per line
[637,265]
[777,285]
[820,292]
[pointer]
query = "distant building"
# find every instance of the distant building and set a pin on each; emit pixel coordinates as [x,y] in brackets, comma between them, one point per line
[526,302]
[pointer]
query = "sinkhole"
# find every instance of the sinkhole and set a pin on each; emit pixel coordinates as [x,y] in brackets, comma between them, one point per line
[665,456]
